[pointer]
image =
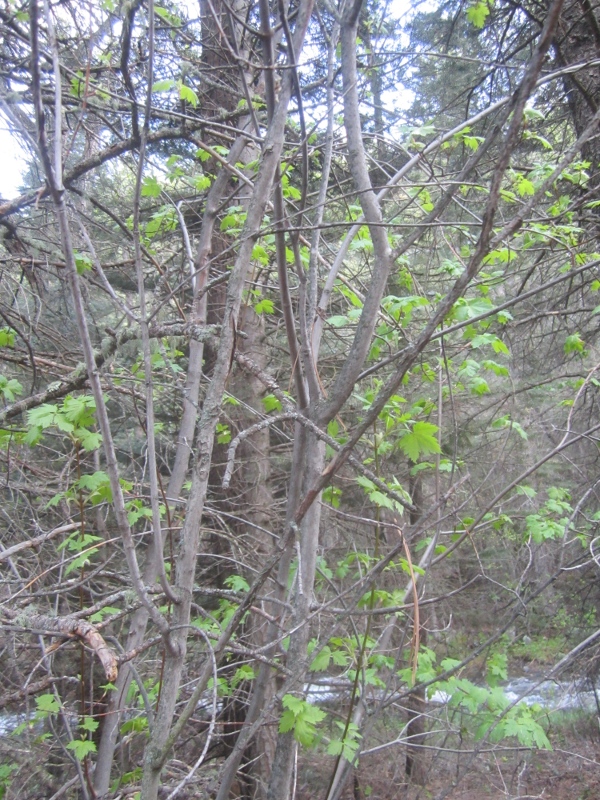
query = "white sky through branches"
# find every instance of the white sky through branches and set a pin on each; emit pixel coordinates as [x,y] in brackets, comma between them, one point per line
[13,164]
[15,160]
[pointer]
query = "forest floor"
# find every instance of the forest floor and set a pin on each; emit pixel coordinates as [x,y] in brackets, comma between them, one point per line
[570,771]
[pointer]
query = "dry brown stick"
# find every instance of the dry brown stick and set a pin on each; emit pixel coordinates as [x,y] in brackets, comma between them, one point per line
[38,540]
[70,628]
[416,621]
[32,688]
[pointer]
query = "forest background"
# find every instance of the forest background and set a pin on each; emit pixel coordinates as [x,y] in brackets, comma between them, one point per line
[299,386]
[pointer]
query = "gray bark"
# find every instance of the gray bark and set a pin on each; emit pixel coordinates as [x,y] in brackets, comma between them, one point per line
[186,558]
[382,257]
[577,41]
[258,501]
[283,763]
[262,687]
[139,621]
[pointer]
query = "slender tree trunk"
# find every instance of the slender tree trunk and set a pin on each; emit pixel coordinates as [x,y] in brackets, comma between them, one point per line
[283,763]
[263,687]
[156,754]
[415,768]
[257,499]
[577,41]
[139,621]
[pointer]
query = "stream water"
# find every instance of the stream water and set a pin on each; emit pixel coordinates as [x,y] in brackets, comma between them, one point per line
[551,695]
[8,722]
[554,695]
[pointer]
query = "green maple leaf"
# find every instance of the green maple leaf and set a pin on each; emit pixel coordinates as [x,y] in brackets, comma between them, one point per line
[47,704]
[94,481]
[7,337]
[43,416]
[420,440]
[287,722]
[301,717]
[89,440]
[237,583]
[271,403]
[335,747]
[188,94]
[150,187]
[478,13]
[81,748]
[163,86]
[321,661]
[10,388]
[304,731]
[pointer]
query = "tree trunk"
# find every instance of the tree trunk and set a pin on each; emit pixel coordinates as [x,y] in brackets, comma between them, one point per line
[283,763]
[578,41]
[415,769]
[157,749]
[263,688]
[258,501]
[185,438]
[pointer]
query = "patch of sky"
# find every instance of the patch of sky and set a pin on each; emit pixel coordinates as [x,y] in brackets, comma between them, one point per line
[14,160]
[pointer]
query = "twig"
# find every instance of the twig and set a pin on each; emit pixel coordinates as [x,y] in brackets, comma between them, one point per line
[38,540]
[307,423]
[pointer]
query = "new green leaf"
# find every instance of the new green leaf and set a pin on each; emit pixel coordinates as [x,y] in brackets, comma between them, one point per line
[420,440]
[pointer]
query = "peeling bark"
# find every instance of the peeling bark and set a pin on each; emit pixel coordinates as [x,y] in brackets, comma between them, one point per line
[70,628]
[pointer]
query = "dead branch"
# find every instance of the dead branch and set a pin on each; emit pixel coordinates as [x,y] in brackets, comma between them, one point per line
[69,628]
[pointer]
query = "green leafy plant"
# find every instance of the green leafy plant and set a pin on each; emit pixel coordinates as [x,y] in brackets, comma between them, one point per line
[10,388]
[82,543]
[81,748]
[7,337]
[46,704]
[348,745]
[302,718]
[6,777]
[73,417]
[550,523]
[419,440]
